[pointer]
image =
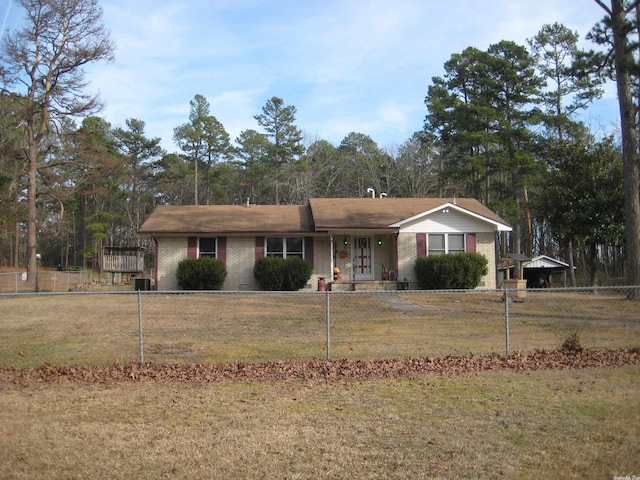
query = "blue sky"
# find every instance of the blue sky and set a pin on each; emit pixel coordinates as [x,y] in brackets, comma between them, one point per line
[346,65]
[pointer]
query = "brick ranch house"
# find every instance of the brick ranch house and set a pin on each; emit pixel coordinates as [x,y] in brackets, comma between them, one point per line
[373,242]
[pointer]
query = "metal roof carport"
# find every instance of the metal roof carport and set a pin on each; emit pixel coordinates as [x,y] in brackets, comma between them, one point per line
[537,271]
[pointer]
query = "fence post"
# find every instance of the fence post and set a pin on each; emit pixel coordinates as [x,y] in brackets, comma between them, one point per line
[140,328]
[328,314]
[506,320]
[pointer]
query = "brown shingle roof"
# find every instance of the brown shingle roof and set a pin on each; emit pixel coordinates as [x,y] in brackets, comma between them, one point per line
[228,219]
[365,213]
[322,214]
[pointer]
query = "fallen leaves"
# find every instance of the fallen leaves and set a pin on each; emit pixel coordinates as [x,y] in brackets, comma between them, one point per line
[322,370]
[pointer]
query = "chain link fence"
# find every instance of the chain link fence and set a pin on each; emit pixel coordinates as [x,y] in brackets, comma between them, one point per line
[46,281]
[84,328]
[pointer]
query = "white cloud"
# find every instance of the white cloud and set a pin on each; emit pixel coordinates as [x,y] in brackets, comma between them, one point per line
[4,15]
[347,65]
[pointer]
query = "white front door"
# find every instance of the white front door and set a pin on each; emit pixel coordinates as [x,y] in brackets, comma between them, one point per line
[362,261]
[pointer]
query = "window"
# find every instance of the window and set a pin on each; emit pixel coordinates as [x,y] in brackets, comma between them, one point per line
[455,243]
[284,247]
[436,244]
[207,247]
[441,243]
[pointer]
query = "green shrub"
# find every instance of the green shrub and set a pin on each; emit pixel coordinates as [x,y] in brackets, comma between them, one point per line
[297,273]
[204,273]
[452,271]
[269,272]
[276,273]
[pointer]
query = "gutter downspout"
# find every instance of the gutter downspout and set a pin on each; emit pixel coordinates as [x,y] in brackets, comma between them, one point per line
[155,262]
[332,256]
[395,253]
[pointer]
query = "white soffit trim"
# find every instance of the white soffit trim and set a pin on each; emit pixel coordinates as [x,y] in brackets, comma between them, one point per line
[543,261]
[501,227]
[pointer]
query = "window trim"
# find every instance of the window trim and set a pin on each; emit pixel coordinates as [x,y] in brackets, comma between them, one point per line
[285,253]
[213,254]
[446,250]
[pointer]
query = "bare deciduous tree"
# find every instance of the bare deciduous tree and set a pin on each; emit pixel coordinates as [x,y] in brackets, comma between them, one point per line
[44,63]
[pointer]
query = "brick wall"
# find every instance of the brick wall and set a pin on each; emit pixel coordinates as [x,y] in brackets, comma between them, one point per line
[485,246]
[240,260]
[407,251]
[170,251]
[383,254]
[241,257]
[321,261]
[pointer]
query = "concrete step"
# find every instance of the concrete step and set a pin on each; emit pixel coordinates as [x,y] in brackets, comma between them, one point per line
[363,286]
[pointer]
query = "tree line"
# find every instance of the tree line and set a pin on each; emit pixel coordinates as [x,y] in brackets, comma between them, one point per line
[501,125]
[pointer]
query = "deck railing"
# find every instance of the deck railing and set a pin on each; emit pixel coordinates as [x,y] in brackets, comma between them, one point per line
[122,263]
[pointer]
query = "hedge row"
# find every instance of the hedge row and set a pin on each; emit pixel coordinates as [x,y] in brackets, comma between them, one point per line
[435,272]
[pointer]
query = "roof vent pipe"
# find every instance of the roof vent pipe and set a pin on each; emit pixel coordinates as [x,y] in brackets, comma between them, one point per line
[372,192]
[383,194]
[247,204]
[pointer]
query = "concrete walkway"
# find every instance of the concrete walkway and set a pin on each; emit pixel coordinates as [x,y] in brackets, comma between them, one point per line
[399,303]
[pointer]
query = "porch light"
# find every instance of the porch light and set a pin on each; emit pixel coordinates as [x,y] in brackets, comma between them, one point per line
[380,242]
[345,241]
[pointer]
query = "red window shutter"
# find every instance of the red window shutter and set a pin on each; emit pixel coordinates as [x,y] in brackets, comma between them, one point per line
[192,247]
[421,243]
[222,249]
[471,242]
[259,247]
[308,249]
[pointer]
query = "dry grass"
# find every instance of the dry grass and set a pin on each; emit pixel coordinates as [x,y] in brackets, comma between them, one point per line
[543,424]
[228,327]
[499,424]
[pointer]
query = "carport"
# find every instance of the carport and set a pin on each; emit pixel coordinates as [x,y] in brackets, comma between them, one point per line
[538,271]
